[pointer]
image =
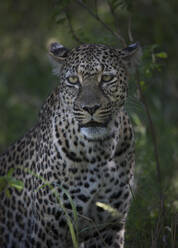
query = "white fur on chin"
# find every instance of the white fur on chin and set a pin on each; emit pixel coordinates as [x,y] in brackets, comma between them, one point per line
[94,133]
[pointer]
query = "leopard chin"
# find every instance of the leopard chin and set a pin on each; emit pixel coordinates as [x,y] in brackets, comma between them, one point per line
[95,133]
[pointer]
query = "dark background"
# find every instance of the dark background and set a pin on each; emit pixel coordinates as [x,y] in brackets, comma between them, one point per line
[27,27]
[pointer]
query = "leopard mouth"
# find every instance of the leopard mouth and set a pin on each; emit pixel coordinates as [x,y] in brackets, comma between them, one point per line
[93,124]
[94,131]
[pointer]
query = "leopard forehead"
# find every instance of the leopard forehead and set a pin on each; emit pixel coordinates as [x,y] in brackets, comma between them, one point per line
[91,59]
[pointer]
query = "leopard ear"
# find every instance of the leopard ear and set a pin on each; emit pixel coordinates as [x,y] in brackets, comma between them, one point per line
[131,56]
[57,55]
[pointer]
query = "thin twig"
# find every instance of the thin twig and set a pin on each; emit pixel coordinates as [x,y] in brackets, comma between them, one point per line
[96,7]
[130,29]
[112,10]
[119,37]
[71,28]
[174,226]
[154,139]
[159,223]
[157,232]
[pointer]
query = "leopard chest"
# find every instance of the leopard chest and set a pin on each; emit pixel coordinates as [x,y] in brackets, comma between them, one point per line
[87,187]
[80,191]
[93,192]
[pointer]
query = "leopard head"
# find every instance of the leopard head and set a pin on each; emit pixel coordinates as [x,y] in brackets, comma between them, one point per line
[93,83]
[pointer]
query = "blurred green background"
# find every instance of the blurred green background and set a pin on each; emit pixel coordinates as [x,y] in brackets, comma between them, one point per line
[27,27]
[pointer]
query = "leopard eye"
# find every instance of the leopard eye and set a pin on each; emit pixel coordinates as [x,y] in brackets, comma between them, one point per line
[107,78]
[73,79]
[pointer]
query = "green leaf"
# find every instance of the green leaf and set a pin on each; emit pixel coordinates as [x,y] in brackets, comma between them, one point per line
[7,192]
[10,172]
[114,212]
[60,18]
[161,55]
[9,181]
[74,210]
[142,83]
[16,184]
[72,232]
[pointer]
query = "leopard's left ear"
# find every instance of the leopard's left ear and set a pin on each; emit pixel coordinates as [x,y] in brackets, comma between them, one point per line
[57,55]
[131,56]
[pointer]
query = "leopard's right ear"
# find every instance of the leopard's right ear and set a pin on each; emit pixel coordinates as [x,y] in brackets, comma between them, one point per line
[57,56]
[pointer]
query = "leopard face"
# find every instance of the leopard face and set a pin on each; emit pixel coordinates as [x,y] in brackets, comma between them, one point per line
[93,85]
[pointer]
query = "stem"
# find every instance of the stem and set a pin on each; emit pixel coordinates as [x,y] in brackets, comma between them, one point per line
[154,139]
[114,15]
[71,28]
[130,29]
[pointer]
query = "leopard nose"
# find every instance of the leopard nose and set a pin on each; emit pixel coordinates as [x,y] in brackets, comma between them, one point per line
[91,109]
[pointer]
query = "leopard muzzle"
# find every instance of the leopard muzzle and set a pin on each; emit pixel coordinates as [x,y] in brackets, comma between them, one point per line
[93,120]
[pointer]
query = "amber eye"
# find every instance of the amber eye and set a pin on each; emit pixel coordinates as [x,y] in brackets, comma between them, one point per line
[73,79]
[107,78]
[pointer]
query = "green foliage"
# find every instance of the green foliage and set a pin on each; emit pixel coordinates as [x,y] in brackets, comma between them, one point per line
[8,181]
[152,61]
[128,4]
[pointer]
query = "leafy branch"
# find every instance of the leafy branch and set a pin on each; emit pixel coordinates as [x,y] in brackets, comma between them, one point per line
[74,35]
[95,15]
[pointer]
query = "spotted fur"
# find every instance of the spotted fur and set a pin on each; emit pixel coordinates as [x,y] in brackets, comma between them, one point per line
[81,151]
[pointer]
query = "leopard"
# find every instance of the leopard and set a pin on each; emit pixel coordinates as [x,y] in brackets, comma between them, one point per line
[76,164]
